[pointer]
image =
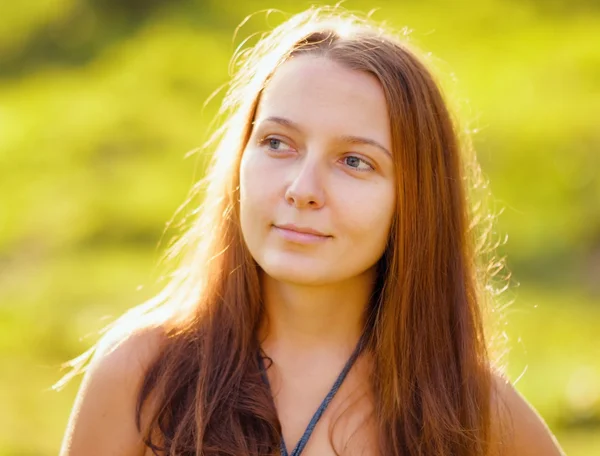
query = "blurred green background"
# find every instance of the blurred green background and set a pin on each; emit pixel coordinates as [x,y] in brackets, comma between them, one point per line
[101,100]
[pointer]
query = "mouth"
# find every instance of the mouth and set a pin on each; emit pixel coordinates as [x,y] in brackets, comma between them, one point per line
[300,235]
[301,229]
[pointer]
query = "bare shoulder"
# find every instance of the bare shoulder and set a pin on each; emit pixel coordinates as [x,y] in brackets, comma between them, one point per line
[517,428]
[102,420]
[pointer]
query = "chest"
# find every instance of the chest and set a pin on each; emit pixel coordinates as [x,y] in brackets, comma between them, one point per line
[346,427]
[331,420]
[322,411]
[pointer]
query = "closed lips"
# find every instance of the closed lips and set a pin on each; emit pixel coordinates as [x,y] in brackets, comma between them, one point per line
[299,229]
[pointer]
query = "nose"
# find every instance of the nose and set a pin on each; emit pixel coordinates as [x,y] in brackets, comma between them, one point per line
[306,189]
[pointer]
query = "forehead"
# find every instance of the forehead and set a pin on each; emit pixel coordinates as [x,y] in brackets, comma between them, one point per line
[326,97]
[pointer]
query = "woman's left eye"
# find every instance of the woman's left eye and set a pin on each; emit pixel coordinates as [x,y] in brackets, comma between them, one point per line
[357,163]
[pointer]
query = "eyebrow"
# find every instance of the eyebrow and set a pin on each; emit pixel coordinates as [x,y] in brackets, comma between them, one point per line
[346,138]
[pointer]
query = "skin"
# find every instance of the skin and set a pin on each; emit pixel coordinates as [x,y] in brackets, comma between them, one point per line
[305,175]
[321,176]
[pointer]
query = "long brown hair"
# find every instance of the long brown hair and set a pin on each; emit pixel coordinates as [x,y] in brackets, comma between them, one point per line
[432,373]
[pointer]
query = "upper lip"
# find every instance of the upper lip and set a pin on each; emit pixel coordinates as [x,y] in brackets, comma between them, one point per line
[301,229]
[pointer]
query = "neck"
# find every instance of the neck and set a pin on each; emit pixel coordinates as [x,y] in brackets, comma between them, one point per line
[301,318]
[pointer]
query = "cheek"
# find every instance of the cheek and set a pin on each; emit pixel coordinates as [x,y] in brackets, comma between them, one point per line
[369,214]
[257,193]
[364,218]
[255,188]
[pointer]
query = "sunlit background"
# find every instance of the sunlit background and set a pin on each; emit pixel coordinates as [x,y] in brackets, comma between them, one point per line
[100,100]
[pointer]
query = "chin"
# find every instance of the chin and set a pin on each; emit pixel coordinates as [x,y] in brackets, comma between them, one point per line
[298,272]
[297,277]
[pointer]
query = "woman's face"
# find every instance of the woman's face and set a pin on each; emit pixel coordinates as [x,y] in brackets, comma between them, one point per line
[317,185]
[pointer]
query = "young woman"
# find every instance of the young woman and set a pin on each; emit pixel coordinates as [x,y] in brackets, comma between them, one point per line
[328,299]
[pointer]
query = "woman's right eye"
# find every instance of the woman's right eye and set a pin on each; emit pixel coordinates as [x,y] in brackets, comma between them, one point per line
[275,144]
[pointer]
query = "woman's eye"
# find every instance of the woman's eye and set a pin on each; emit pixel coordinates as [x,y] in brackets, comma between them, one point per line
[275,144]
[357,163]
